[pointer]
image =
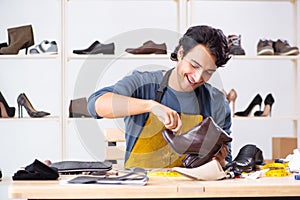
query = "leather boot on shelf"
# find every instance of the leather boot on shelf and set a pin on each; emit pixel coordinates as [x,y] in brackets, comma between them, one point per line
[203,142]
[78,108]
[18,38]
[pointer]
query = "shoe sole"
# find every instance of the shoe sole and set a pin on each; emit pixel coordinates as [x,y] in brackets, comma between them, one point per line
[265,52]
[293,52]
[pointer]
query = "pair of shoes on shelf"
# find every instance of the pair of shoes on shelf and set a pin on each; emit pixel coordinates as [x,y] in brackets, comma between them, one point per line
[24,102]
[97,48]
[279,47]
[45,47]
[234,45]
[269,101]
[201,143]
[149,47]
[231,97]
[247,159]
[18,38]
[5,110]
[78,108]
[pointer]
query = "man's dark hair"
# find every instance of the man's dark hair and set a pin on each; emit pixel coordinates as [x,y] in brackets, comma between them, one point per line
[212,38]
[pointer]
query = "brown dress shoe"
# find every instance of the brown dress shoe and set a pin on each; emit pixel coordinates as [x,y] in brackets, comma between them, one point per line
[149,47]
[203,142]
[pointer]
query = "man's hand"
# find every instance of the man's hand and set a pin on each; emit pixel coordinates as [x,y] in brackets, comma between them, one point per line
[170,118]
[222,155]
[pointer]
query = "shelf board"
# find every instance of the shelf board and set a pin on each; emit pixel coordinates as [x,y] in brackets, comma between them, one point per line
[294,118]
[251,0]
[274,57]
[38,56]
[167,56]
[124,56]
[73,119]
[52,118]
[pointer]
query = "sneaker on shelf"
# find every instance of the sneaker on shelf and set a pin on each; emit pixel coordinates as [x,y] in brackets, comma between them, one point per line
[45,47]
[265,47]
[282,47]
[234,44]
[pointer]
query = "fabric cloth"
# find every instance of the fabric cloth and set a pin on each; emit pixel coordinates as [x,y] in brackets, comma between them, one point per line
[206,100]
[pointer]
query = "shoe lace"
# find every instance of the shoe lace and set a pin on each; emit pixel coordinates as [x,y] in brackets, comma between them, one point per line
[265,42]
[284,42]
[234,40]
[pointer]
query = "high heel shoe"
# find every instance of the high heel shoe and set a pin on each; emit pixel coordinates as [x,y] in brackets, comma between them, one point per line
[6,110]
[18,38]
[231,97]
[269,100]
[256,101]
[23,101]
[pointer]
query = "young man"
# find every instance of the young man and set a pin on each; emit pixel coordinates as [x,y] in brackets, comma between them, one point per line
[177,100]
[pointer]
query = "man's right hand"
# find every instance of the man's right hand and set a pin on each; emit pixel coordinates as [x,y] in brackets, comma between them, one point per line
[169,117]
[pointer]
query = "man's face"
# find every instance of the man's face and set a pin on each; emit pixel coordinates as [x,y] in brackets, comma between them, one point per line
[195,68]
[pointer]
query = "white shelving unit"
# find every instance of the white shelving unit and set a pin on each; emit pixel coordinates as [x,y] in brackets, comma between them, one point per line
[121,63]
[74,24]
[261,25]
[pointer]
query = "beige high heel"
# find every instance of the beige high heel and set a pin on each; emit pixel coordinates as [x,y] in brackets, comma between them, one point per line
[231,97]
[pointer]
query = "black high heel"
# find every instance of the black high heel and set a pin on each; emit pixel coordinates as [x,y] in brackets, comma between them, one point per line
[256,101]
[6,110]
[23,101]
[269,100]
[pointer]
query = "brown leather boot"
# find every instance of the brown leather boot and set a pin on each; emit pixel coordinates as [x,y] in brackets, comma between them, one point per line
[18,38]
[78,108]
[203,141]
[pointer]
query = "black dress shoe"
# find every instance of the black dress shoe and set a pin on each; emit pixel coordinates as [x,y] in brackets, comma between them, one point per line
[248,157]
[97,48]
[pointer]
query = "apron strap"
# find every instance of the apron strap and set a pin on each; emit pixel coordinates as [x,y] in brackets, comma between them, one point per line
[163,86]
